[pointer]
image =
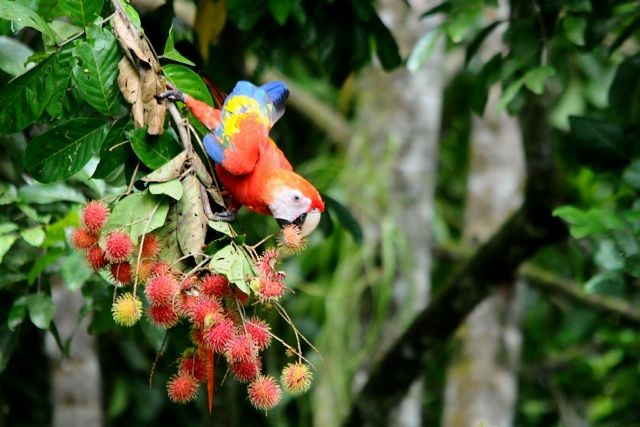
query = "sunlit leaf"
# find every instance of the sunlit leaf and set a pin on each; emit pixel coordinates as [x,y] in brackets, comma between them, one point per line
[13,56]
[422,50]
[171,188]
[34,236]
[170,51]
[188,81]
[81,12]
[137,214]
[155,151]
[41,309]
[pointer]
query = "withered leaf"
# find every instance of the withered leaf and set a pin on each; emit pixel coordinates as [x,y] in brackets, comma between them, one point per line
[192,220]
[168,171]
[201,171]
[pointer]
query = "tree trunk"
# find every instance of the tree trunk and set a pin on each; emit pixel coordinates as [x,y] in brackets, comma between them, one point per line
[482,379]
[75,380]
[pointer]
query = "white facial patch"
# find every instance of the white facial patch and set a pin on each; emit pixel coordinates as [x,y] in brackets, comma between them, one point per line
[289,204]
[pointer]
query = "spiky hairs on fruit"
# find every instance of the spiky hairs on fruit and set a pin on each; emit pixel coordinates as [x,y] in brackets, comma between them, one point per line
[192,362]
[215,285]
[94,216]
[240,347]
[164,316]
[246,370]
[118,246]
[150,246]
[96,258]
[217,337]
[82,239]
[296,378]
[121,272]
[161,290]
[182,388]
[127,309]
[291,240]
[259,331]
[264,392]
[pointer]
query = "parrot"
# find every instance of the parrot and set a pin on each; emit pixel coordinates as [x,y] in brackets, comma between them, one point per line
[249,164]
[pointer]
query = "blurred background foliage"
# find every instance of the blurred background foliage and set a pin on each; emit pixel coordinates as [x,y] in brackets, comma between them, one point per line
[581,57]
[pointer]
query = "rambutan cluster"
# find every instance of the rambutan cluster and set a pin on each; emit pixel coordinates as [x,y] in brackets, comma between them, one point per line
[213,307]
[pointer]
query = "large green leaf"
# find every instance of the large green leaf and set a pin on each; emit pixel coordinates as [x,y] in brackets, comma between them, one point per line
[344,217]
[114,151]
[171,188]
[155,150]
[24,99]
[588,222]
[624,93]
[188,81]
[23,16]
[423,49]
[386,46]
[170,51]
[13,56]
[137,214]
[41,309]
[60,80]
[97,71]
[62,151]
[81,12]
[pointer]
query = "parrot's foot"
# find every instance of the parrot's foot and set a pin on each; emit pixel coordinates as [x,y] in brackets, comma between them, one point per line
[224,216]
[171,95]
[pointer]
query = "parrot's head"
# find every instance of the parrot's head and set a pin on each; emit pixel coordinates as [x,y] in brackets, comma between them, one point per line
[296,201]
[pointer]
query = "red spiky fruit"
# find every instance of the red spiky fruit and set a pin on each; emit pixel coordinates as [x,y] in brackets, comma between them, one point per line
[82,239]
[118,246]
[163,315]
[150,246]
[161,290]
[182,388]
[205,312]
[246,370]
[94,216]
[259,331]
[264,392]
[270,290]
[159,268]
[215,285]
[142,270]
[96,258]
[240,347]
[193,363]
[121,272]
[217,337]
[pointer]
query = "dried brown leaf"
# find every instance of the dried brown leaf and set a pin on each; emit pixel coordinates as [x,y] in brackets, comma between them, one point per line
[192,220]
[170,170]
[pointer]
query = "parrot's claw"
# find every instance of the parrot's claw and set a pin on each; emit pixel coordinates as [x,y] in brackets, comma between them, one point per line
[224,216]
[171,95]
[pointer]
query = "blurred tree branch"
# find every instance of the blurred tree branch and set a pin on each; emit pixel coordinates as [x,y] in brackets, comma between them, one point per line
[495,262]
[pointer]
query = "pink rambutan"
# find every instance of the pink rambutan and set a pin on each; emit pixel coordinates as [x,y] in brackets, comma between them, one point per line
[118,246]
[292,240]
[96,258]
[159,268]
[267,262]
[163,315]
[258,329]
[246,370]
[240,347]
[270,290]
[185,304]
[143,270]
[217,337]
[205,312]
[215,285]
[182,388]
[296,378]
[94,216]
[193,363]
[161,290]
[82,239]
[121,272]
[150,246]
[264,392]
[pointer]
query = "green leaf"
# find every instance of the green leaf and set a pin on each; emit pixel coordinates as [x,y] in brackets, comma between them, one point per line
[155,150]
[280,10]
[386,46]
[608,256]
[461,20]
[344,217]
[170,51]
[114,151]
[608,283]
[23,100]
[8,227]
[60,82]
[33,236]
[17,313]
[192,220]
[221,227]
[574,27]
[535,78]
[170,170]
[8,341]
[624,92]
[75,270]
[172,189]
[508,94]
[23,16]
[631,174]
[41,309]
[586,223]
[36,194]
[475,44]
[96,73]
[137,214]
[6,241]
[62,151]
[422,50]
[598,143]
[441,8]
[222,260]
[188,81]
[627,32]
[13,56]
[81,12]
[50,257]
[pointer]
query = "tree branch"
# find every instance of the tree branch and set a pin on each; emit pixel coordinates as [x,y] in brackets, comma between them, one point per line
[495,262]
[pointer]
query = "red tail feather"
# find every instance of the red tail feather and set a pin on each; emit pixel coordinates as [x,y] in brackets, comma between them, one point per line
[210,379]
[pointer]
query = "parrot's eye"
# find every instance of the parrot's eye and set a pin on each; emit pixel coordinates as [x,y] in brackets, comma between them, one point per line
[296,198]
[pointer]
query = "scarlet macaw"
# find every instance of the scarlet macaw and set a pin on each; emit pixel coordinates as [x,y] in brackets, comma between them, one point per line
[249,164]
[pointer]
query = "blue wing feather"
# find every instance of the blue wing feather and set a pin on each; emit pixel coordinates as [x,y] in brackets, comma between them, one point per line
[278,92]
[214,149]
